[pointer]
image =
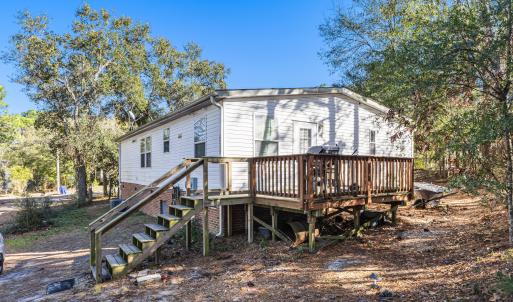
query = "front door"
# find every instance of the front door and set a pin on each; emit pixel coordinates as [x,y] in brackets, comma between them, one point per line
[305,136]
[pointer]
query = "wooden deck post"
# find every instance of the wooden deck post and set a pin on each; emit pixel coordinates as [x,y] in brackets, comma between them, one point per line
[98,255]
[311,231]
[229,226]
[188,226]
[274,222]
[356,216]
[393,209]
[229,180]
[206,242]
[251,191]
[158,255]
[188,235]
[250,222]
[92,249]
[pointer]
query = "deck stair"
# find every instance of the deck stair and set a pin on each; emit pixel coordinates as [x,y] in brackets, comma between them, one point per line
[146,243]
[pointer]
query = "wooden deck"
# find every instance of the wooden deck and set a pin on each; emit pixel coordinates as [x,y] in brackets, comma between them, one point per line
[314,182]
[298,183]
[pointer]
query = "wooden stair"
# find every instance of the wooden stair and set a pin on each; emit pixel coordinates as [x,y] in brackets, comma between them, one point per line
[146,243]
[154,236]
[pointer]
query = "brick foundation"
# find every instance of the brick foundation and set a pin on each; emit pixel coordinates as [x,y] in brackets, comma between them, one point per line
[153,209]
[238,212]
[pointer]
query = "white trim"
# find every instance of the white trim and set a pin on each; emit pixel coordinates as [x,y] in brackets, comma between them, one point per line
[249,93]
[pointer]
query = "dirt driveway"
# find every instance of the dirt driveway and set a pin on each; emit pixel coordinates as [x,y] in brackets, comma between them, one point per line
[53,257]
[432,255]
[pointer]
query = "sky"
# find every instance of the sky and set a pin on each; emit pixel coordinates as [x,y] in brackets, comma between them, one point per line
[264,43]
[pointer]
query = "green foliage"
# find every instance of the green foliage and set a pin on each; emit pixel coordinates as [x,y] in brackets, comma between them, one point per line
[32,214]
[101,70]
[3,104]
[67,219]
[505,283]
[23,146]
[20,177]
[445,69]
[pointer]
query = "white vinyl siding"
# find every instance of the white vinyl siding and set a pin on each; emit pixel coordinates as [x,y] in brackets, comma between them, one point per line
[336,119]
[340,121]
[181,133]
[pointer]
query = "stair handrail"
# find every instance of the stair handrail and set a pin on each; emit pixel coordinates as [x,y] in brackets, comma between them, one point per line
[165,185]
[126,203]
[96,233]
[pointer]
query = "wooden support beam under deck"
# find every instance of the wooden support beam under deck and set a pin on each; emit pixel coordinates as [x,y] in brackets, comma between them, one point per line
[206,243]
[250,222]
[188,235]
[357,211]
[393,209]
[229,223]
[311,231]
[274,222]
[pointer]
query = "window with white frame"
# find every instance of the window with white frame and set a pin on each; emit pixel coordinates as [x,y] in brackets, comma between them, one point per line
[200,137]
[165,139]
[146,152]
[266,135]
[372,142]
[305,139]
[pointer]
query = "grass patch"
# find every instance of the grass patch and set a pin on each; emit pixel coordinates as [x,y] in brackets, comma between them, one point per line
[63,220]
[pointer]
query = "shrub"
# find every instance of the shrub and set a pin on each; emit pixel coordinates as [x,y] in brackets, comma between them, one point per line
[33,214]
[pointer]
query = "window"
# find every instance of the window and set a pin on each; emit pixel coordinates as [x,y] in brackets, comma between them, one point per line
[165,138]
[305,140]
[266,135]
[200,137]
[146,152]
[372,142]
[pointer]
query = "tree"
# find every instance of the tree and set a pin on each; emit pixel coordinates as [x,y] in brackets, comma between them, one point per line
[23,147]
[447,65]
[106,66]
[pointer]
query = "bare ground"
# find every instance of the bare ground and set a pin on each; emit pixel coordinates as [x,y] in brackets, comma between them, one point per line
[432,255]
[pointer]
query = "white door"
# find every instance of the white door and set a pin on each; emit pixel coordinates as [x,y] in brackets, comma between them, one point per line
[305,136]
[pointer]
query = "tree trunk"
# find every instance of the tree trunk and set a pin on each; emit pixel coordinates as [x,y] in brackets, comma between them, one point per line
[507,119]
[90,191]
[105,184]
[58,173]
[509,182]
[81,176]
[110,188]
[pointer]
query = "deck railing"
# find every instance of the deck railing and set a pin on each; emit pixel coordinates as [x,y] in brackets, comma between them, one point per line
[311,178]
